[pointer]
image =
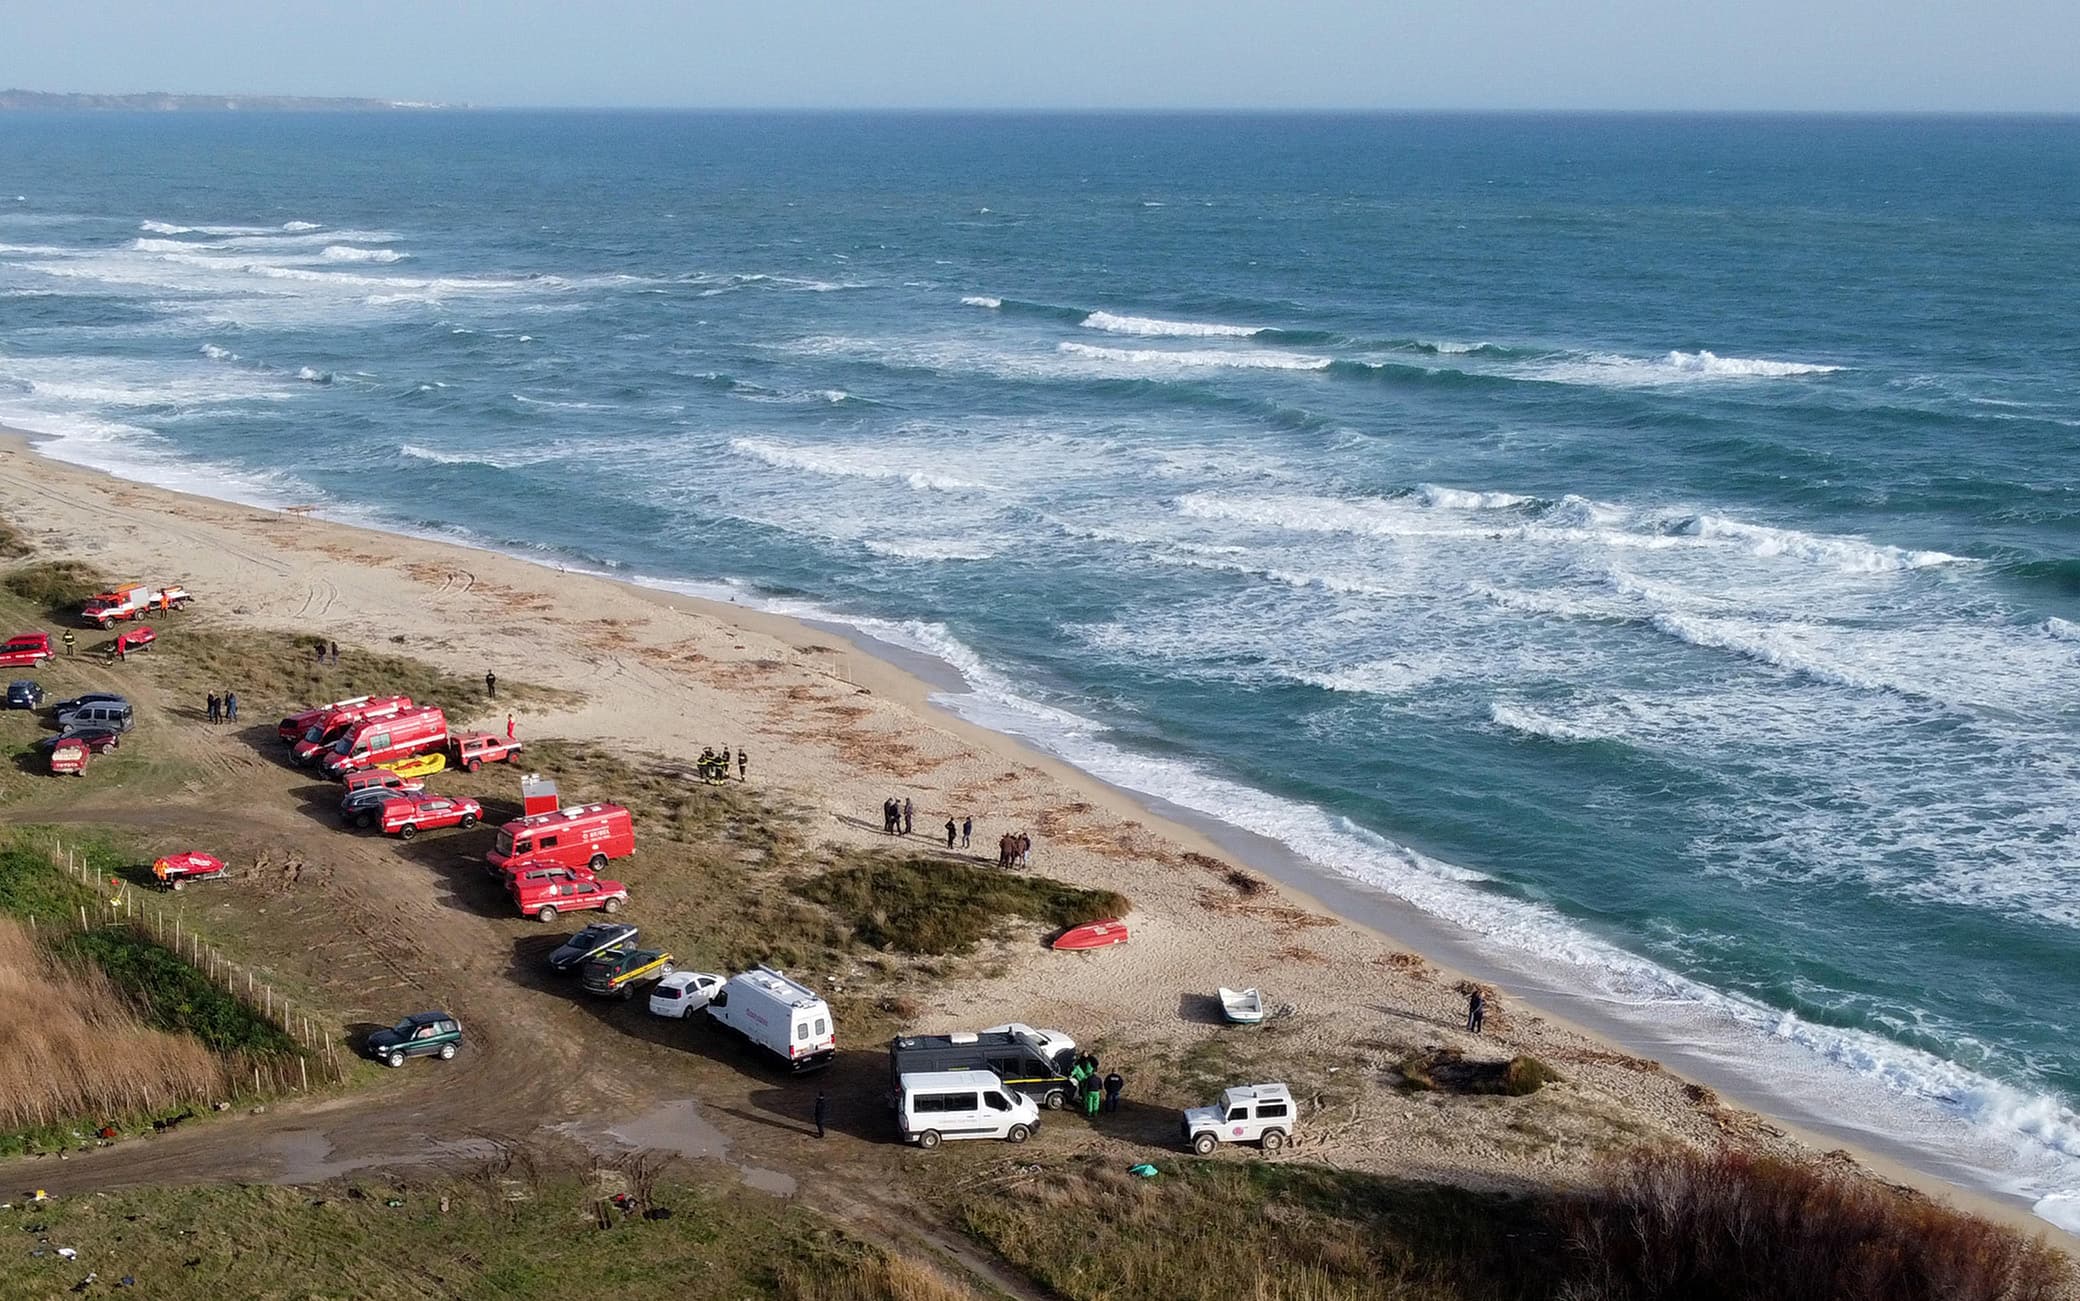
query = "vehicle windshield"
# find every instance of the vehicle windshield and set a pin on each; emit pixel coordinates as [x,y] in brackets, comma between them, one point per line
[505,842]
[345,745]
[404,1027]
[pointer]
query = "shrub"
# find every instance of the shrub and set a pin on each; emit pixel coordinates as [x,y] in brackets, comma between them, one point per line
[57,587]
[1726,1226]
[937,906]
[12,543]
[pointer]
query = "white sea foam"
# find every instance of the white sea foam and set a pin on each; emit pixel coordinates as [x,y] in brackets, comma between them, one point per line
[1385,677]
[2062,1209]
[1165,359]
[299,225]
[2062,629]
[350,253]
[1530,722]
[214,353]
[167,228]
[850,463]
[982,300]
[933,549]
[1616,370]
[1851,555]
[1796,648]
[312,375]
[1156,327]
[1466,499]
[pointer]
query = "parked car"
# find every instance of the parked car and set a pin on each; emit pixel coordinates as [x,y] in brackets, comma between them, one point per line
[422,1034]
[600,937]
[24,694]
[98,738]
[475,749]
[683,993]
[26,649]
[65,707]
[381,779]
[408,815]
[68,757]
[932,1106]
[586,835]
[619,971]
[543,899]
[362,808]
[1259,1113]
[1019,1060]
[132,601]
[116,714]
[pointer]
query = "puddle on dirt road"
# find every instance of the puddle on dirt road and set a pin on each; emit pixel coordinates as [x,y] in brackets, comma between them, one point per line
[677,1127]
[307,1156]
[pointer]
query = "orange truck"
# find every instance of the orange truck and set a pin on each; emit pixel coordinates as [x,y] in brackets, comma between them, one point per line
[105,610]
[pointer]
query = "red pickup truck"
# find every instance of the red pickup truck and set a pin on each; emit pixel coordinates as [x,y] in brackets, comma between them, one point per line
[475,749]
[407,815]
[544,899]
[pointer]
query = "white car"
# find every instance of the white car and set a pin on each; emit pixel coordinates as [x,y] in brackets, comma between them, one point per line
[683,993]
[1260,1113]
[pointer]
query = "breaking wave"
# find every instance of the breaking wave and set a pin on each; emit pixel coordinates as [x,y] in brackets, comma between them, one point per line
[1163,359]
[1531,723]
[849,465]
[1156,327]
[349,253]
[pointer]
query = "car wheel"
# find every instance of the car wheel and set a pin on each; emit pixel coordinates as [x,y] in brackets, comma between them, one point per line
[611,906]
[664,971]
[1019,1134]
[447,1052]
[176,884]
[928,1140]
[394,1060]
[1204,1144]
[364,820]
[475,765]
[626,992]
[407,831]
[547,914]
[468,820]
[597,862]
[1273,1140]
[1054,1099]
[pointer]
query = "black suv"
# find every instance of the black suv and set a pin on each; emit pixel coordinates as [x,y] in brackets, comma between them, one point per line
[592,942]
[422,1034]
[24,694]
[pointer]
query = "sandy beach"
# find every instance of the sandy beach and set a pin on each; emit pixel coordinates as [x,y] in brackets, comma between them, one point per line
[834,729]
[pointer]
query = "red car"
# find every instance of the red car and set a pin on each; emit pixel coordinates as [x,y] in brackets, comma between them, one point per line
[407,815]
[475,749]
[26,648]
[543,900]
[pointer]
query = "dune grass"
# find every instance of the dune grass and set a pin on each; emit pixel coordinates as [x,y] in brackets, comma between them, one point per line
[56,588]
[937,906]
[554,1234]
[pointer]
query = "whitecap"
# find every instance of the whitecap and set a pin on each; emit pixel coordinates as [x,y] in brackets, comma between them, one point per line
[1157,327]
[1163,359]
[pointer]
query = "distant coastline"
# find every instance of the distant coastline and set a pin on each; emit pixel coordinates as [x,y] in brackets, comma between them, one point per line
[159,101]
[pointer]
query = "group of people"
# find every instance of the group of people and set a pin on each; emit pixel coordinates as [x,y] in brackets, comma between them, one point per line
[1015,851]
[223,708]
[326,652]
[713,765]
[1093,1092]
[897,816]
[965,830]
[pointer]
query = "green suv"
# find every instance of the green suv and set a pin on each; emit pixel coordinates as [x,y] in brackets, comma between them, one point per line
[421,1034]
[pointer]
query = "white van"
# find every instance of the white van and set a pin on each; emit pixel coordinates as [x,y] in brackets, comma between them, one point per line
[936,1105]
[782,1016]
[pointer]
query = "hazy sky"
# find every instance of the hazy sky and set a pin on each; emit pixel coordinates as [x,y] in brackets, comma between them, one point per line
[1810,54]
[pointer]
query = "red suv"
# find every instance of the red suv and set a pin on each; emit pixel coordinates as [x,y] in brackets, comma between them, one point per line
[544,899]
[26,648]
[408,814]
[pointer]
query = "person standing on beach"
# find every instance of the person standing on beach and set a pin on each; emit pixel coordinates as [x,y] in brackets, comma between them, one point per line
[510,735]
[231,706]
[1476,1011]
[1113,1085]
[491,684]
[888,816]
[967,831]
[216,707]
[908,825]
[950,830]
[743,762]
[822,1112]
[335,651]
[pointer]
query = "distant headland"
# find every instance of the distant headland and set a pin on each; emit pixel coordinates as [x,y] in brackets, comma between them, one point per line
[159,101]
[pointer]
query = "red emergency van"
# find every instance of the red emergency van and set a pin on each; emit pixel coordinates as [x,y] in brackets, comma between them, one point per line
[413,731]
[292,728]
[328,728]
[582,836]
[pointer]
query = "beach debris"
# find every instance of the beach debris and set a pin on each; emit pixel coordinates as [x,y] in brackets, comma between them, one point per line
[1144,1170]
[68,1253]
[41,1196]
[393,1201]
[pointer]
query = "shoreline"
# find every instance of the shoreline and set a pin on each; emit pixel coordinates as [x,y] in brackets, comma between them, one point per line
[928,689]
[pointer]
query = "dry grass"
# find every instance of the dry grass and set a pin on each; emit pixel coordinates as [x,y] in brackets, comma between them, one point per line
[1447,1070]
[941,906]
[57,588]
[12,543]
[70,1045]
[875,1277]
[1724,1226]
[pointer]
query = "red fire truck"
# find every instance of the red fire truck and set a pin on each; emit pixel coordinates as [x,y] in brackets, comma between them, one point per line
[583,836]
[412,731]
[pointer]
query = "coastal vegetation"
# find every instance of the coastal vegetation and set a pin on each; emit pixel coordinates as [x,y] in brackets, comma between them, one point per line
[104,1026]
[936,906]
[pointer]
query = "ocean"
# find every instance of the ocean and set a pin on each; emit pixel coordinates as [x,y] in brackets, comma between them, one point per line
[1649,545]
